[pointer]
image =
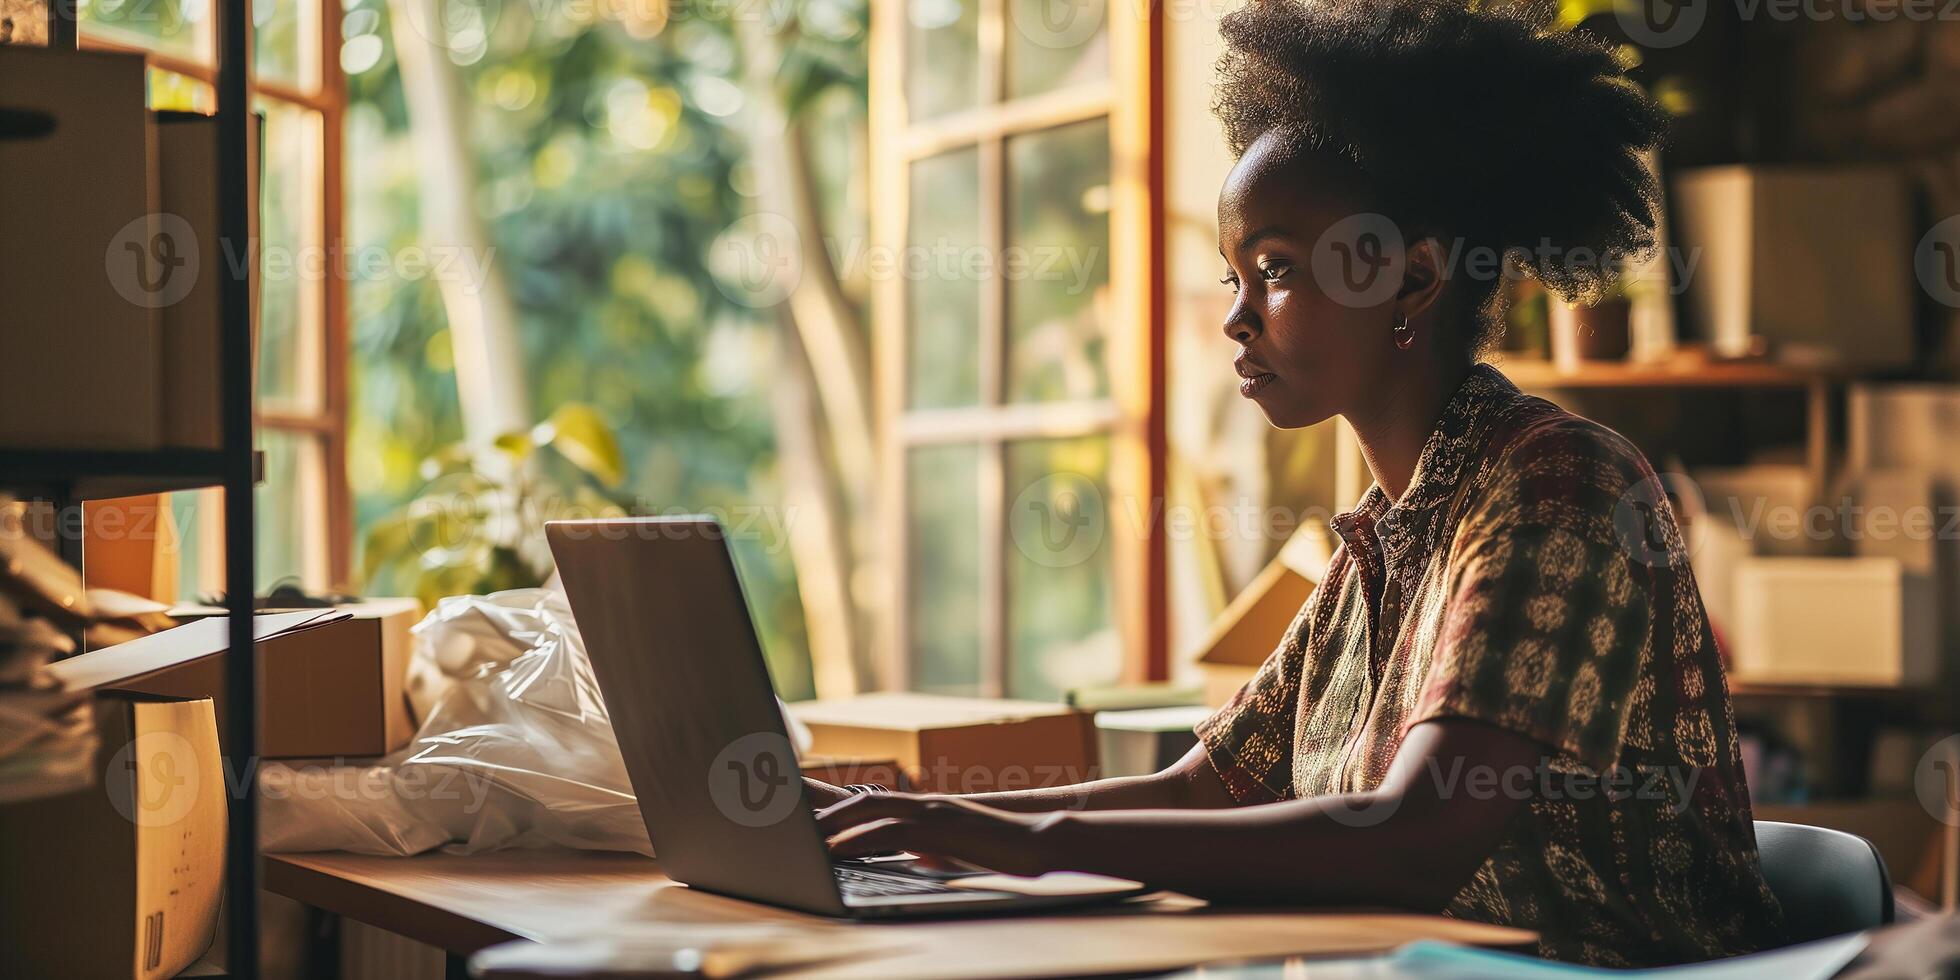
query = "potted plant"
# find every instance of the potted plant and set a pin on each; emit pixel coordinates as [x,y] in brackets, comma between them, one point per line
[478,525]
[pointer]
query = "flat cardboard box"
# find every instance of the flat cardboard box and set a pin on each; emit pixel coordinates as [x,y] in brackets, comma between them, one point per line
[958,745]
[1833,621]
[1249,629]
[79,365]
[330,679]
[121,879]
[1763,270]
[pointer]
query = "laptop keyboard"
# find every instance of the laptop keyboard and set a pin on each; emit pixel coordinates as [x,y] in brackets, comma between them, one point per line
[862,883]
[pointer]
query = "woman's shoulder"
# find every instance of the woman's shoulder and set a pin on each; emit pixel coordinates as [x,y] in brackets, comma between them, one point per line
[1545,463]
[1542,437]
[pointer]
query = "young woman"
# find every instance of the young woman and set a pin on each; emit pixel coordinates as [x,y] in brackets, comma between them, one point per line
[1503,702]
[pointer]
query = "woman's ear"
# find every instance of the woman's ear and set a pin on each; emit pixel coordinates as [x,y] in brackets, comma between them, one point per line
[1423,266]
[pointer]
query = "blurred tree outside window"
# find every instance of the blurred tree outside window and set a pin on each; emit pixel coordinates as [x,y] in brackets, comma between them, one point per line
[609,170]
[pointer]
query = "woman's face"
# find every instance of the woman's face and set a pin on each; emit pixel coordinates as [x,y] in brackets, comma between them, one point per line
[1312,313]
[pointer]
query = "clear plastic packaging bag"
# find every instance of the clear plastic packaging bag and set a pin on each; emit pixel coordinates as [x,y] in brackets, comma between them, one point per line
[515,748]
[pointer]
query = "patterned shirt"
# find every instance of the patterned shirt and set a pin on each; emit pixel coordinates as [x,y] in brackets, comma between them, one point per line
[1533,578]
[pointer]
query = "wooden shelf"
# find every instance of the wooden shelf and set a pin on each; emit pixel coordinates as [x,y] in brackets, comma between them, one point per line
[98,474]
[1747,689]
[1690,368]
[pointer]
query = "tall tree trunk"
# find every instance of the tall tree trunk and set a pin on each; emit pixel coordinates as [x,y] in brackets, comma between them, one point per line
[482,324]
[832,462]
[818,522]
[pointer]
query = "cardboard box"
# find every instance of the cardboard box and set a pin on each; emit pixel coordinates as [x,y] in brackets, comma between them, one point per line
[1849,621]
[192,327]
[121,879]
[330,679]
[958,745]
[1249,629]
[1910,426]
[1147,740]
[844,771]
[1765,270]
[82,272]
[187,157]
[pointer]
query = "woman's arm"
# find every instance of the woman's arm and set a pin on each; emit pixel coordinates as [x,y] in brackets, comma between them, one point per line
[1189,784]
[1412,843]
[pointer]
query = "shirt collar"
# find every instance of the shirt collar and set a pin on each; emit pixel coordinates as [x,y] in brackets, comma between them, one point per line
[1457,439]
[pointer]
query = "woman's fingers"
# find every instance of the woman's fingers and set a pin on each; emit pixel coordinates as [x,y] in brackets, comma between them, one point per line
[822,794]
[866,807]
[877,837]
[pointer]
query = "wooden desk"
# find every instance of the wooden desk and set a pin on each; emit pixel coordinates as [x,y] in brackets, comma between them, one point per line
[462,904]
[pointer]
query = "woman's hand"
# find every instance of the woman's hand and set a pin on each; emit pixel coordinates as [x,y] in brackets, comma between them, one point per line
[823,794]
[941,829]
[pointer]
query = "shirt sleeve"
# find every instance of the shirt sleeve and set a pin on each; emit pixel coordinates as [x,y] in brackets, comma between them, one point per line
[1550,612]
[1250,740]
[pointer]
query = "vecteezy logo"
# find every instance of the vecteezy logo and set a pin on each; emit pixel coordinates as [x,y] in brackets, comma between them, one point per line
[754,780]
[1937,261]
[153,780]
[1056,24]
[1358,260]
[152,261]
[758,260]
[461,26]
[1937,781]
[1058,520]
[1660,23]
[1644,518]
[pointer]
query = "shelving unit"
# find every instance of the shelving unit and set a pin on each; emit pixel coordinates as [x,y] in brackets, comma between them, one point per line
[1693,368]
[1854,714]
[62,475]
[69,477]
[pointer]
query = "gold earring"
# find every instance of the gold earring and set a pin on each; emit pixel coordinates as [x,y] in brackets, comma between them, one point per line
[1405,335]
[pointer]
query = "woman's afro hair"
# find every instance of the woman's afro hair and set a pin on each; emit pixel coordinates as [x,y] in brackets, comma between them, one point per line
[1479,124]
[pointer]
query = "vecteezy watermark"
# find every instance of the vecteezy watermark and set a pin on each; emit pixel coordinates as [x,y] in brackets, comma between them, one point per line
[754,781]
[1937,262]
[1671,23]
[1547,780]
[153,260]
[156,260]
[154,779]
[338,780]
[1644,516]
[1057,24]
[946,776]
[1661,23]
[157,778]
[1358,260]
[759,260]
[1058,520]
[1936,781]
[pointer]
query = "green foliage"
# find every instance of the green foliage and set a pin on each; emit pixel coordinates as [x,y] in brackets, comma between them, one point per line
[607,163]
[476,527]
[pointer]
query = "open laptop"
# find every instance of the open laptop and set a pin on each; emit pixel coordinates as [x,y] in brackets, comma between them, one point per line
[662,613]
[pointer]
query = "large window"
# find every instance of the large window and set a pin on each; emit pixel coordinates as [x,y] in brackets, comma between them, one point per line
[296,85]
[1019,343]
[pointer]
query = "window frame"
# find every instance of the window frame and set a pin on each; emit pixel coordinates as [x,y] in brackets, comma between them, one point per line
[1132,415]
[327,545]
